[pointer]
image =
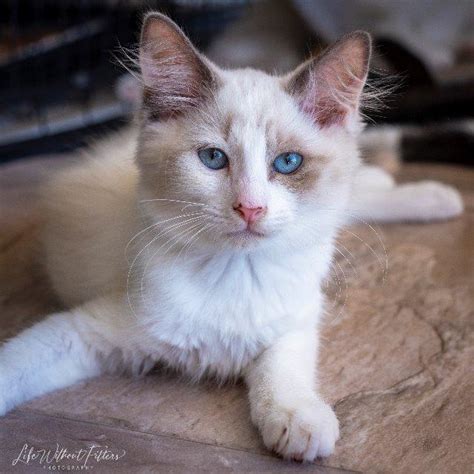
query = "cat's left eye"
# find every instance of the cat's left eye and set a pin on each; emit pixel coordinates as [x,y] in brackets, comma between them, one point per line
[213,158]
[287,163]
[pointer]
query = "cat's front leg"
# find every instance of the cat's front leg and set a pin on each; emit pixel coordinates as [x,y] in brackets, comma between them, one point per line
[61,350]
[293,419]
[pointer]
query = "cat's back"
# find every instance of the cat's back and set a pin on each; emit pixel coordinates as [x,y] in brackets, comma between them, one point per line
[90,212]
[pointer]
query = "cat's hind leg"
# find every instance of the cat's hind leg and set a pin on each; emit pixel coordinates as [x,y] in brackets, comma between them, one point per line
[376,198]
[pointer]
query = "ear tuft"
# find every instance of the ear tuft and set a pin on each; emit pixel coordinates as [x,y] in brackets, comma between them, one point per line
[328,88]
[174,74]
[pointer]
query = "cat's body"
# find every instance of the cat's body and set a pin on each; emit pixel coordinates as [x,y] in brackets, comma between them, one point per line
[226,250]
[202,312]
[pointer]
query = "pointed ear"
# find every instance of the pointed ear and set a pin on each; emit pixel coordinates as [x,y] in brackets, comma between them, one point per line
[328,88]
[174,74]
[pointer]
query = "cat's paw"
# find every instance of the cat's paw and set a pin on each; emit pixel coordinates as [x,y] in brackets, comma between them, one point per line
[431,201]
[302,431]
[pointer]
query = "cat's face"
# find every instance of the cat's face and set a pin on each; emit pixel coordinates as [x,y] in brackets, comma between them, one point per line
[239,158]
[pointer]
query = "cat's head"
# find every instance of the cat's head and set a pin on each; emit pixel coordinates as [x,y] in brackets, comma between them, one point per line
[245,158]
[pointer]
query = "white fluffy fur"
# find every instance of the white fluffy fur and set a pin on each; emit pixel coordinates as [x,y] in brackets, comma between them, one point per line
[218,305]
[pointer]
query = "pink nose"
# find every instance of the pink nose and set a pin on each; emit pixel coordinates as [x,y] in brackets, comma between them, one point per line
[250,214]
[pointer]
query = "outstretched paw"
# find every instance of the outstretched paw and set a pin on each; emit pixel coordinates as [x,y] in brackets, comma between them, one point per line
[303,431]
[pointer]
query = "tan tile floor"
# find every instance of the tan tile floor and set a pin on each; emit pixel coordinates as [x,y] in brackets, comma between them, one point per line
[397,359]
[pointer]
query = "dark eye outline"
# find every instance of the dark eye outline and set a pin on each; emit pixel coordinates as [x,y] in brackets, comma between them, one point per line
[206,157]
[284,156]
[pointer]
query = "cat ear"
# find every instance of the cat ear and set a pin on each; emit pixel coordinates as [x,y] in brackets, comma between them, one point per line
[174,74]
[328,88]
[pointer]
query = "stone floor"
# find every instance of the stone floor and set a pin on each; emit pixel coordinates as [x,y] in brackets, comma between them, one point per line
[397,359]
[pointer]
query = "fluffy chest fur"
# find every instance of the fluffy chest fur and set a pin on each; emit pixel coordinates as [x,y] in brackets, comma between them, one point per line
[214,314]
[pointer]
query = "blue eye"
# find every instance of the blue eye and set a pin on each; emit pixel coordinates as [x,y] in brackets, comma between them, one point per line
[213,158]
[287,163]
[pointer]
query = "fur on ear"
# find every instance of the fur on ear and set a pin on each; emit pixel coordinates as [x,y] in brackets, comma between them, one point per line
[174,74]
[328,88]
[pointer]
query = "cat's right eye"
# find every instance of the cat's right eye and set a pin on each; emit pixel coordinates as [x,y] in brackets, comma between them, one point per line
[213,158]
[287,163]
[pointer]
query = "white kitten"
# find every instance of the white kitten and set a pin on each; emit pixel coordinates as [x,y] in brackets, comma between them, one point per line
[230,193]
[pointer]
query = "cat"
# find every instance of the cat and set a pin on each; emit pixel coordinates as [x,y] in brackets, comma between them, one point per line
[226,197]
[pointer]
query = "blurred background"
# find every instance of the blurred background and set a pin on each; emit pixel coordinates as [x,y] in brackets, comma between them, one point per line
[62,82]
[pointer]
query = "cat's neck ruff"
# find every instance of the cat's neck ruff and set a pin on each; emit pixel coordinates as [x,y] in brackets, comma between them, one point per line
[226,307]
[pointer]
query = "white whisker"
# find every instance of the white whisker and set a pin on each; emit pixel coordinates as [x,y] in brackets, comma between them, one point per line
[188,244]
[346,259]
[176,240]
[156,224]
[165,231]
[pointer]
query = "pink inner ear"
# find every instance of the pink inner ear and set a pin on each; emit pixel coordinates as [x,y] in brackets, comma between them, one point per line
[329,89]
[174,75]
[319,103]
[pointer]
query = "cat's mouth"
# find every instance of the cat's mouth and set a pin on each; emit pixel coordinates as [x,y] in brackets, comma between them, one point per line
[246,233]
